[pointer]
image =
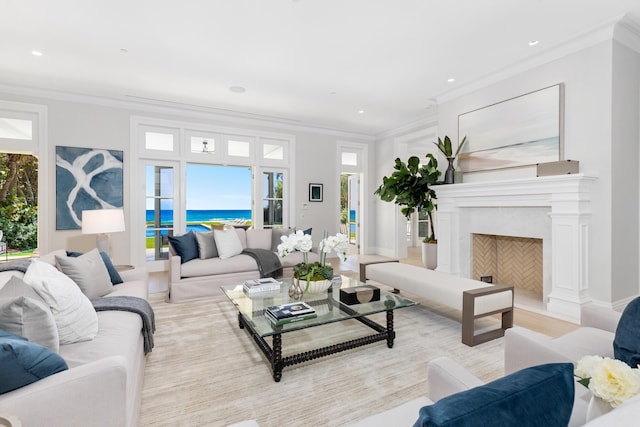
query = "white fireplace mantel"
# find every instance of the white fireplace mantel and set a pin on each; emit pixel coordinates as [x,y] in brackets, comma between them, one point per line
[559,214]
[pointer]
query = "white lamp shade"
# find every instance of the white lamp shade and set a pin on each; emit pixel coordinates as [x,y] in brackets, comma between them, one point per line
[102,221]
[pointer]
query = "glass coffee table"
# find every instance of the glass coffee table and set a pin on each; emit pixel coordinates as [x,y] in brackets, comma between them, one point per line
[329,309]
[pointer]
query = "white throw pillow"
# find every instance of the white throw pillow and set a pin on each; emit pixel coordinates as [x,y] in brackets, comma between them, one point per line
[227,242]
[88,272]
[24,313]
[75,316]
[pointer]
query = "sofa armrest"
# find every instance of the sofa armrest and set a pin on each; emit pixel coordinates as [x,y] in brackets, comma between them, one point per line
[89,395]
[174,269]
[446,377]
[138,273]
[599,317]
[524,348]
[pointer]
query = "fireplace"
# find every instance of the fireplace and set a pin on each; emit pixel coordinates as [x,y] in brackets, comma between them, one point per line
[553,209]
[508,260]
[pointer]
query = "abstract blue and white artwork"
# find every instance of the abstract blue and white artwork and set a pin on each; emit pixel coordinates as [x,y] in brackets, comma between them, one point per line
[86,179]
[517,132]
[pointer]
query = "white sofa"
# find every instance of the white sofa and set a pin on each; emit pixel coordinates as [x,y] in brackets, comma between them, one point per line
[523,347]
[445,377]
[199,278]
[103,385]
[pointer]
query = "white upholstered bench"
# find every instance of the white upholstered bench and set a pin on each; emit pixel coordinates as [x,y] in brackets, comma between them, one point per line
[475,299]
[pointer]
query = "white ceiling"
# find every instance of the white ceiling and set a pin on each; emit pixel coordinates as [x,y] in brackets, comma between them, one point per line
[310,61]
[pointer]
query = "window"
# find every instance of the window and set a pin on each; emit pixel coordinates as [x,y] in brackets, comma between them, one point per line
[203,145]
[239,148]
[199,177]
[273,198]
[273,150]
[349,158]
[158,141]
[159,216]
[23,178]
[217,195]
[16,128]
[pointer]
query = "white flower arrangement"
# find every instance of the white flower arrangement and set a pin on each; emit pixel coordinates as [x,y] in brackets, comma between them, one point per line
[297,241]
[609,379]
[302,242]
[338,244]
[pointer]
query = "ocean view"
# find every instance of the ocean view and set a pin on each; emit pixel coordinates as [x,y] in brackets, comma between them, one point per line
[204,215]
[195,217]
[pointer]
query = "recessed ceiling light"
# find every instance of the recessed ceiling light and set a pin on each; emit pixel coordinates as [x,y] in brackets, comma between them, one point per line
[36,53]
[360,111]
[123,50]
[451,80]
[533,42]
[237,89]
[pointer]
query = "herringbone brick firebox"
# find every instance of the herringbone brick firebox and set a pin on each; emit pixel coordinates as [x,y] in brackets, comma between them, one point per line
[509,260]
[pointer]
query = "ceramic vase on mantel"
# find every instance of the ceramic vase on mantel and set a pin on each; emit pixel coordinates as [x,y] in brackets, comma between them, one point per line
[449,173]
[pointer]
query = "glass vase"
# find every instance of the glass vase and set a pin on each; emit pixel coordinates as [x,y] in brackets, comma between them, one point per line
[295,289]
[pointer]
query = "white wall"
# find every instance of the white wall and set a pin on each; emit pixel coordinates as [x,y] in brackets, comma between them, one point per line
[587,79]
[625,137]
[81,122]
[601,131]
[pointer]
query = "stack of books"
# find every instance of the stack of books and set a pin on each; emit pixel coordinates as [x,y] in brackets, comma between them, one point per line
[288,313]
[261,285]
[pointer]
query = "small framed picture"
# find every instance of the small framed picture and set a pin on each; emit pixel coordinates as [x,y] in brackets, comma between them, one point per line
[315,192]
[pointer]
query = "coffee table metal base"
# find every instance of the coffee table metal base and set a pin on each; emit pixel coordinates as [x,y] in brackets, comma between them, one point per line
[274,354]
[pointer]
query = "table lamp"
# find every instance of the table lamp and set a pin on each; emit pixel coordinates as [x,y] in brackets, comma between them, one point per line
[102,222]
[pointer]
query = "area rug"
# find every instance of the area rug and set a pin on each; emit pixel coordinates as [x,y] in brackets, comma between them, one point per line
[205,371]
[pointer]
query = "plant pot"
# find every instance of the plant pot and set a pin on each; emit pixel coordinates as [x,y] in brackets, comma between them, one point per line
[315,286]
[430,255]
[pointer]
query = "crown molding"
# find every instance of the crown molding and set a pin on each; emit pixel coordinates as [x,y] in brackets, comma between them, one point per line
[154,106]
[598,34]
[627,32]
[429,121]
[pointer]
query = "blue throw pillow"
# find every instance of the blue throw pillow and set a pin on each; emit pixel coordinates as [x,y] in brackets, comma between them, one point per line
[626,343]
[113,273]
[23,362]
[538,396]
[186,246]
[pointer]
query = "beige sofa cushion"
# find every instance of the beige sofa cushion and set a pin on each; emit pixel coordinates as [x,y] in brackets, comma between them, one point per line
[259,238]
[212,266]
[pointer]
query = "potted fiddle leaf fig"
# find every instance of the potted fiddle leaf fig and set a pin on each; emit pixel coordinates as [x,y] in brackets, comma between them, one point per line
[445,148]
[411,187]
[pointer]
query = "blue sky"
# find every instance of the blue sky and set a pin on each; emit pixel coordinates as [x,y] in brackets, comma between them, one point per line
[214,187]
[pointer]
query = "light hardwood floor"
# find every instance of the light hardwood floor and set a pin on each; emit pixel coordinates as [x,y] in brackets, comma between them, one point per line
[531,319]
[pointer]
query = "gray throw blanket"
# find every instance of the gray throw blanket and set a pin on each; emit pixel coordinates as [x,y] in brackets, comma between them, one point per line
[134,305]
[19,265]
[268,262]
